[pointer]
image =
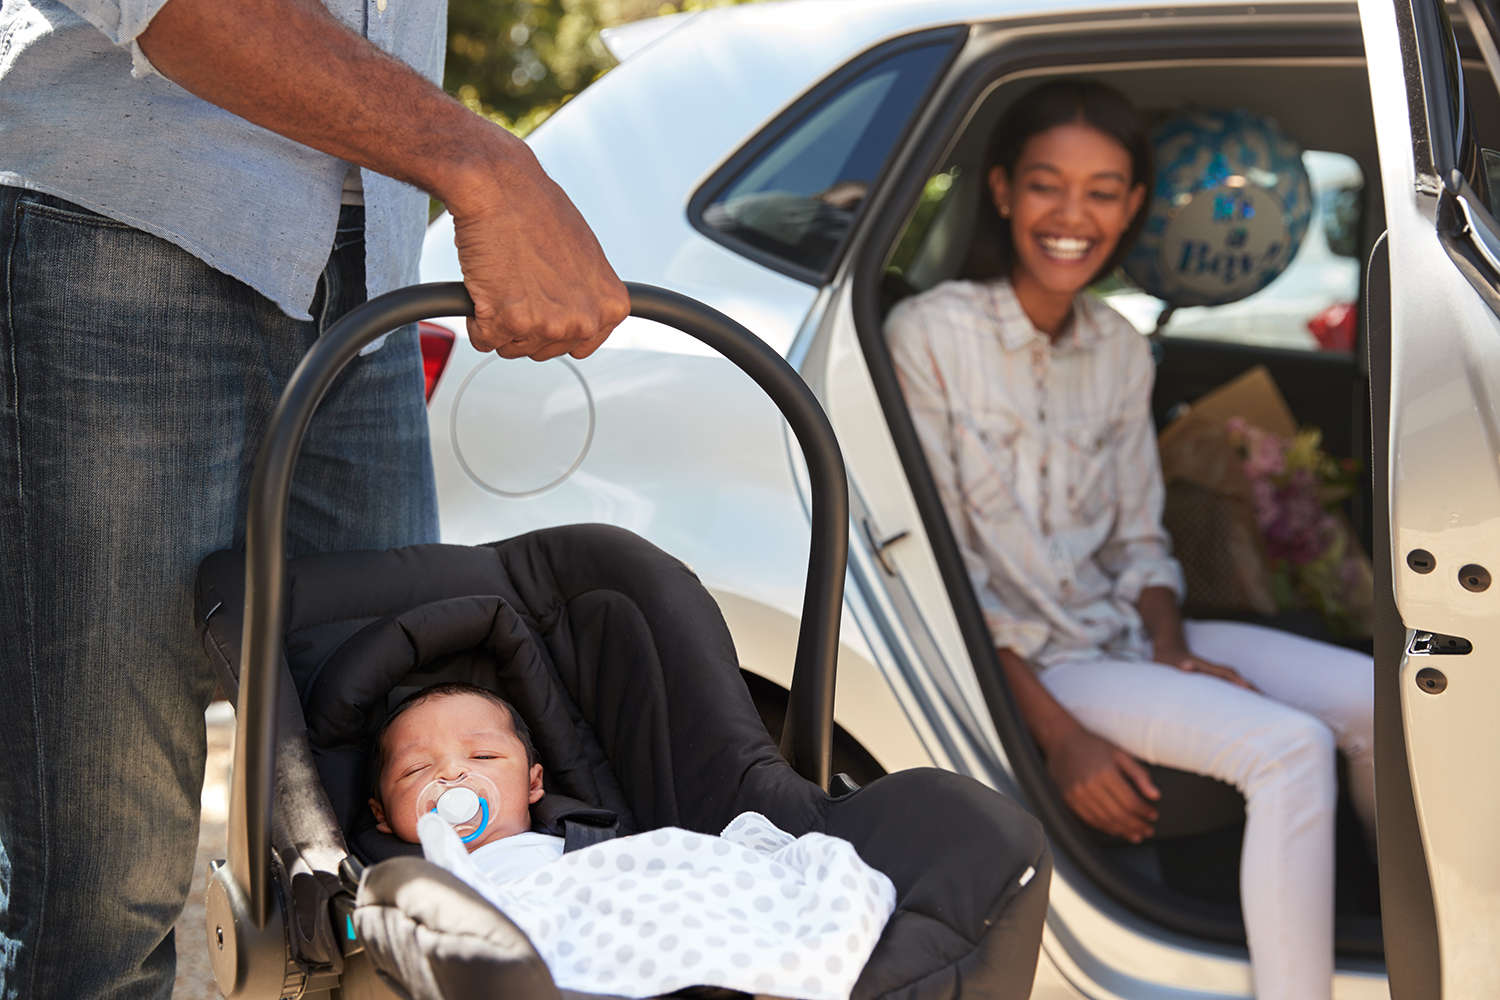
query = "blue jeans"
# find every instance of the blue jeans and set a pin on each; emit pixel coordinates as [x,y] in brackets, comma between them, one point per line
[135,385]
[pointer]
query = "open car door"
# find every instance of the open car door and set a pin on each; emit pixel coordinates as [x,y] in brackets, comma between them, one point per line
[1434,338]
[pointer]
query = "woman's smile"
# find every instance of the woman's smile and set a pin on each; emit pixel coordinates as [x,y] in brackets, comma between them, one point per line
[1066,249]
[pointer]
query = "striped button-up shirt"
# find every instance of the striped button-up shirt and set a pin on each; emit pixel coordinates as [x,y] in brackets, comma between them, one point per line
[1045,459]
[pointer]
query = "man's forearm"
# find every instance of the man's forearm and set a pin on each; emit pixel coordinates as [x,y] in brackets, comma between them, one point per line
[291,67]
[539,279]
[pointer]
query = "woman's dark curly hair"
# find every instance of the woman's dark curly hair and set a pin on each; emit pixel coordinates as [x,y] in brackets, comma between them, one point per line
[992,253]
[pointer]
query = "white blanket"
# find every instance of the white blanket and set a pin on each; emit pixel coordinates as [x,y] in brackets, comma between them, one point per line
[753,909]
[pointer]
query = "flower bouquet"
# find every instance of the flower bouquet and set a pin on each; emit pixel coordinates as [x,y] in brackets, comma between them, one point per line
[1253,509]
[1296,489]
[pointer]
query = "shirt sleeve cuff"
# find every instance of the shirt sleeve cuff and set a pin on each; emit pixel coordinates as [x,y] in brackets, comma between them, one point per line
[1165,572]
[1026,638]
[122,22]
[140,66]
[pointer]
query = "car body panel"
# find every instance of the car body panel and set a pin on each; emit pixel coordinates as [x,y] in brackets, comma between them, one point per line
[685,451]
[1444,496]
[626,40]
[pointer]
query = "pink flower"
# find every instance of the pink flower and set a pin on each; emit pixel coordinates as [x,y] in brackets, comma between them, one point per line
[1265,454]
[1263,493]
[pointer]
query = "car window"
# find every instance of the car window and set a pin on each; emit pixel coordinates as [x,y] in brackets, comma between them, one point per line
[1312,305]
[797,199]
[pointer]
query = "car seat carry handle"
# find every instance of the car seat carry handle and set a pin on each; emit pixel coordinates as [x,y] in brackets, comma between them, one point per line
[807,738]
[807,735]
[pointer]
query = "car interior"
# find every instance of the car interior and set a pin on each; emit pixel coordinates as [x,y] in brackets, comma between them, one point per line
[1191,865]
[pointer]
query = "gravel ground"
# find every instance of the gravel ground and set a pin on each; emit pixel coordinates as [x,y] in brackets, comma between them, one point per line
[195,977]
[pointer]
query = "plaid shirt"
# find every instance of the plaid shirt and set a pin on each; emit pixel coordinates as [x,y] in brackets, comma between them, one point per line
[1045,459]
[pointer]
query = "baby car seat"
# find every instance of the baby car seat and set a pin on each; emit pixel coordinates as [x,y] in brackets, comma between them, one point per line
[622,666]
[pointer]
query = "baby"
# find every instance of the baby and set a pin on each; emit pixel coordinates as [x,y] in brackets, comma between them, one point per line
[445,742]
[752,909]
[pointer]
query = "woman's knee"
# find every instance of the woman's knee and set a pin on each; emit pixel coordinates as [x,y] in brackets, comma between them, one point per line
[1299,749]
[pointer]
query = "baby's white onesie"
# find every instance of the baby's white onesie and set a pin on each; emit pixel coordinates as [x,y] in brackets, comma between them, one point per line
[517,856]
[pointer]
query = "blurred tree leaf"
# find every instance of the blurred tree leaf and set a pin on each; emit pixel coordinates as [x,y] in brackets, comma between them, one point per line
[517,61]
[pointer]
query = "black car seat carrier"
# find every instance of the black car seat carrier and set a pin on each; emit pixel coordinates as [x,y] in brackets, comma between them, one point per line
[621,664]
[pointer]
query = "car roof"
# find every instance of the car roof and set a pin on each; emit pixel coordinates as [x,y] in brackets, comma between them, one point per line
[868,21]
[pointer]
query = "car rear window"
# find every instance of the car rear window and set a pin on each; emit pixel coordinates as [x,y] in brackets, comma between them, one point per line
[794,197]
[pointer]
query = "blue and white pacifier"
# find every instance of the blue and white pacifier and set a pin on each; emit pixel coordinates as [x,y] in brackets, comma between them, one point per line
[466,803]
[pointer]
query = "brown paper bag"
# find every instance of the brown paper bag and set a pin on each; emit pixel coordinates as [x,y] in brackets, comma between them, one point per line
[1209,511]
[1254,397]
[1211,517]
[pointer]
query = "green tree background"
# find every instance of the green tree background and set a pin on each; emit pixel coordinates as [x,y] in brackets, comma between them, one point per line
[517,61]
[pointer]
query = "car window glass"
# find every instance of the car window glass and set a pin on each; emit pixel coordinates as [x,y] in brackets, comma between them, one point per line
[1312,305]
[798,199]
[1452,129]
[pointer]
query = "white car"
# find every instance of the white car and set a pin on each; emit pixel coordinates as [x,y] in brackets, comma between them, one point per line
[800,166]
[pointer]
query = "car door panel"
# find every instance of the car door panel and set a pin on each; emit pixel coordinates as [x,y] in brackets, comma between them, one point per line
[1410,922]
[1443,487]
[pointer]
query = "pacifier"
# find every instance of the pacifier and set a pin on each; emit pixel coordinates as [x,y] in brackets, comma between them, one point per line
[466,802]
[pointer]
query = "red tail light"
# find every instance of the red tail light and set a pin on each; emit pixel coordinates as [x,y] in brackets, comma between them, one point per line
[1336,327]
[437,345]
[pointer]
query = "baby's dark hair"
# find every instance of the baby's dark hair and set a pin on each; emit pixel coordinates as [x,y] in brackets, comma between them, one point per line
[444,690]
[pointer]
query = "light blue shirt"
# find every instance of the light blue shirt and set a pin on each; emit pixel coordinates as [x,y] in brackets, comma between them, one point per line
[84,116]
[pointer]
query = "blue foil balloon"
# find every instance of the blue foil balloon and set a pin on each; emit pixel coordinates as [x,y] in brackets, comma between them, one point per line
[1231,206]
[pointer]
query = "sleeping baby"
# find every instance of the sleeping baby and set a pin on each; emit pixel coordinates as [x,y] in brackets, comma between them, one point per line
[463,752]
[753,909]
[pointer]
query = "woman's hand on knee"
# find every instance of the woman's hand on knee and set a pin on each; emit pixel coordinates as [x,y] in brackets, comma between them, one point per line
[1104,785]
[1186,661]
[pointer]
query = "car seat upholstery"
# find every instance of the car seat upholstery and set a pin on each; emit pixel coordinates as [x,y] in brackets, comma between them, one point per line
[622,666]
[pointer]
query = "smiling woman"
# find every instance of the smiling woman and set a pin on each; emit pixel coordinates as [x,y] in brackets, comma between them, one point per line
[1032,403]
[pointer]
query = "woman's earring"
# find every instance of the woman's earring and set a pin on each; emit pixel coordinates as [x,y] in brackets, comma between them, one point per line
[1004,211]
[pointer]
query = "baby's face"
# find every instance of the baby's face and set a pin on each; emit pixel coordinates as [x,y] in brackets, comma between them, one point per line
[445,737]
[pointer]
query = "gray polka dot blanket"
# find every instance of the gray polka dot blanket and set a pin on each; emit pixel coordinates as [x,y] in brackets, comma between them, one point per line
[753,909]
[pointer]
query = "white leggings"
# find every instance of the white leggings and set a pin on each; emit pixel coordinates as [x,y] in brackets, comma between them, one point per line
[1277,748]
